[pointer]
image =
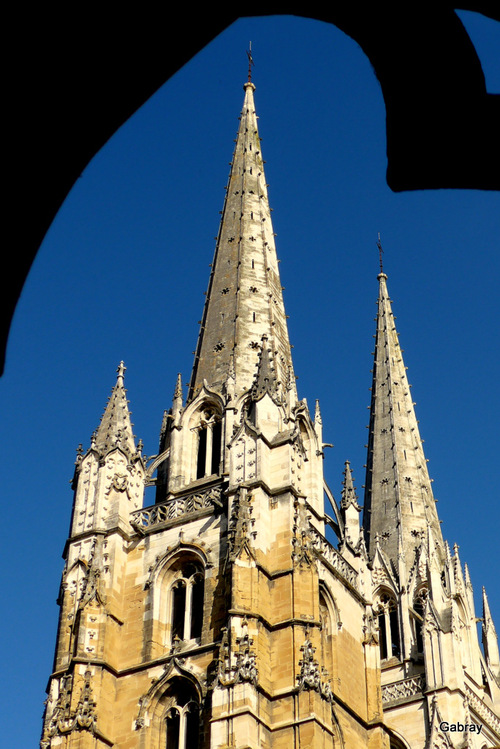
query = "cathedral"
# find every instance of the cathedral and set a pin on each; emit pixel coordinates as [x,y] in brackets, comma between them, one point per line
[224,616]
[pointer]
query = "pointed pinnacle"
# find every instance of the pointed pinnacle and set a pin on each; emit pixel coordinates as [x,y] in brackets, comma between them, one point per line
[265,380]
[178,387]
[349,496]
[115,427]
[488,620]
[467,575]
[317,414]
[231,370]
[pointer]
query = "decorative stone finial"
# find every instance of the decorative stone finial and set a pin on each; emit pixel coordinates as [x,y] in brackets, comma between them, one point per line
[121,370]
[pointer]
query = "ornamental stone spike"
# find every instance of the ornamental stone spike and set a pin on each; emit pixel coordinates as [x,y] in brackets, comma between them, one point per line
[349,496]
[349,507]
[244,300]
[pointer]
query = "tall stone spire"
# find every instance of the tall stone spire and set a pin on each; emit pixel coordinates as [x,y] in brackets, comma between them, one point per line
[399,504]
[489,638]
[244,298]
[115,429]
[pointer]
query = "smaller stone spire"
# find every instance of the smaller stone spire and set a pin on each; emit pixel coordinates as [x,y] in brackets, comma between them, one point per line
[177,400]
[489,638]
[399,502]
[317,416]
[318,426]
[468,581]
[178,387]
[115,429]
[349,496]
[349,507]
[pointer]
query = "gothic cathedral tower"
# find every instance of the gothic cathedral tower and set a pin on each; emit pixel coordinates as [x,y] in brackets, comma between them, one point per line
[222,617]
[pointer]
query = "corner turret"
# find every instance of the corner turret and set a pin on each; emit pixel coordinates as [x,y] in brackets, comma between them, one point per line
[108,480]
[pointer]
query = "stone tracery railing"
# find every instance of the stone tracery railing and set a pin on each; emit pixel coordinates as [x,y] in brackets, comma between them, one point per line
[482,709]
[398,690]
[178,507]
[333,558]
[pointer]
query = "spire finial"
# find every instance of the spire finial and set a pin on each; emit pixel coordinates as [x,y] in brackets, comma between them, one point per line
[121,370]
[380,253]
[250,61]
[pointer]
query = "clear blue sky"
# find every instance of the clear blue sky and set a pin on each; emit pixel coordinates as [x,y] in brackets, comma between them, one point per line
[122,272]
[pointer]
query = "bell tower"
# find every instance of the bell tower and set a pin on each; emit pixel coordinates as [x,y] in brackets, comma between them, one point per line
[217,616]
[232,611]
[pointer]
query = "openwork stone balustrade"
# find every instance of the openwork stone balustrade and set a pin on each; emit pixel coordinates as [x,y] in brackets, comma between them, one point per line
[333,558]
[179,507]
[481,708]
[400,690]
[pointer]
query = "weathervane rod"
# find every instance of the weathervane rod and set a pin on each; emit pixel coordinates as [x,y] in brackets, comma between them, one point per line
[380,252]
[250,62]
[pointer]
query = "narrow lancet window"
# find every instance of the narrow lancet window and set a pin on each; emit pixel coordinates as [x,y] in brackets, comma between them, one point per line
[388,623]
[418,620]
[187,600]
[182,719]
[209,435]
[178,608]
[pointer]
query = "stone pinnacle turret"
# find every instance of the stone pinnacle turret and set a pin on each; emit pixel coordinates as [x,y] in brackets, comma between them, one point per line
[115,429]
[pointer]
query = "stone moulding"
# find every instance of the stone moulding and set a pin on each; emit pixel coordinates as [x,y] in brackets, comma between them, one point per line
[331,556]
[150,518]
[400,690]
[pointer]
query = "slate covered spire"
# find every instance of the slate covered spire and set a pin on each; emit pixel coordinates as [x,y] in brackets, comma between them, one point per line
[399,504]
[244,298]
[115,429]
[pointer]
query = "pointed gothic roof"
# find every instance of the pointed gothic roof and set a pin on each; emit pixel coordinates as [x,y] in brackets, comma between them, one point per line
[488,624]
[244,298]
[349,496]
[115,429]
[399,504]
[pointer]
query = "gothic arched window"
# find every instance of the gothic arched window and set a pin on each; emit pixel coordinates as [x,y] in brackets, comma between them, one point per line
[182,717]
[209,432]
[186,600]
[388,624]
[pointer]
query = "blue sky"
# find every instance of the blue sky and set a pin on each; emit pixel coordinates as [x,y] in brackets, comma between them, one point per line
[122,272]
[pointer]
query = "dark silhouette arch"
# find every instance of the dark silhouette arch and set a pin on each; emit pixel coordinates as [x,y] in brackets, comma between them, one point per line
[84,72]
